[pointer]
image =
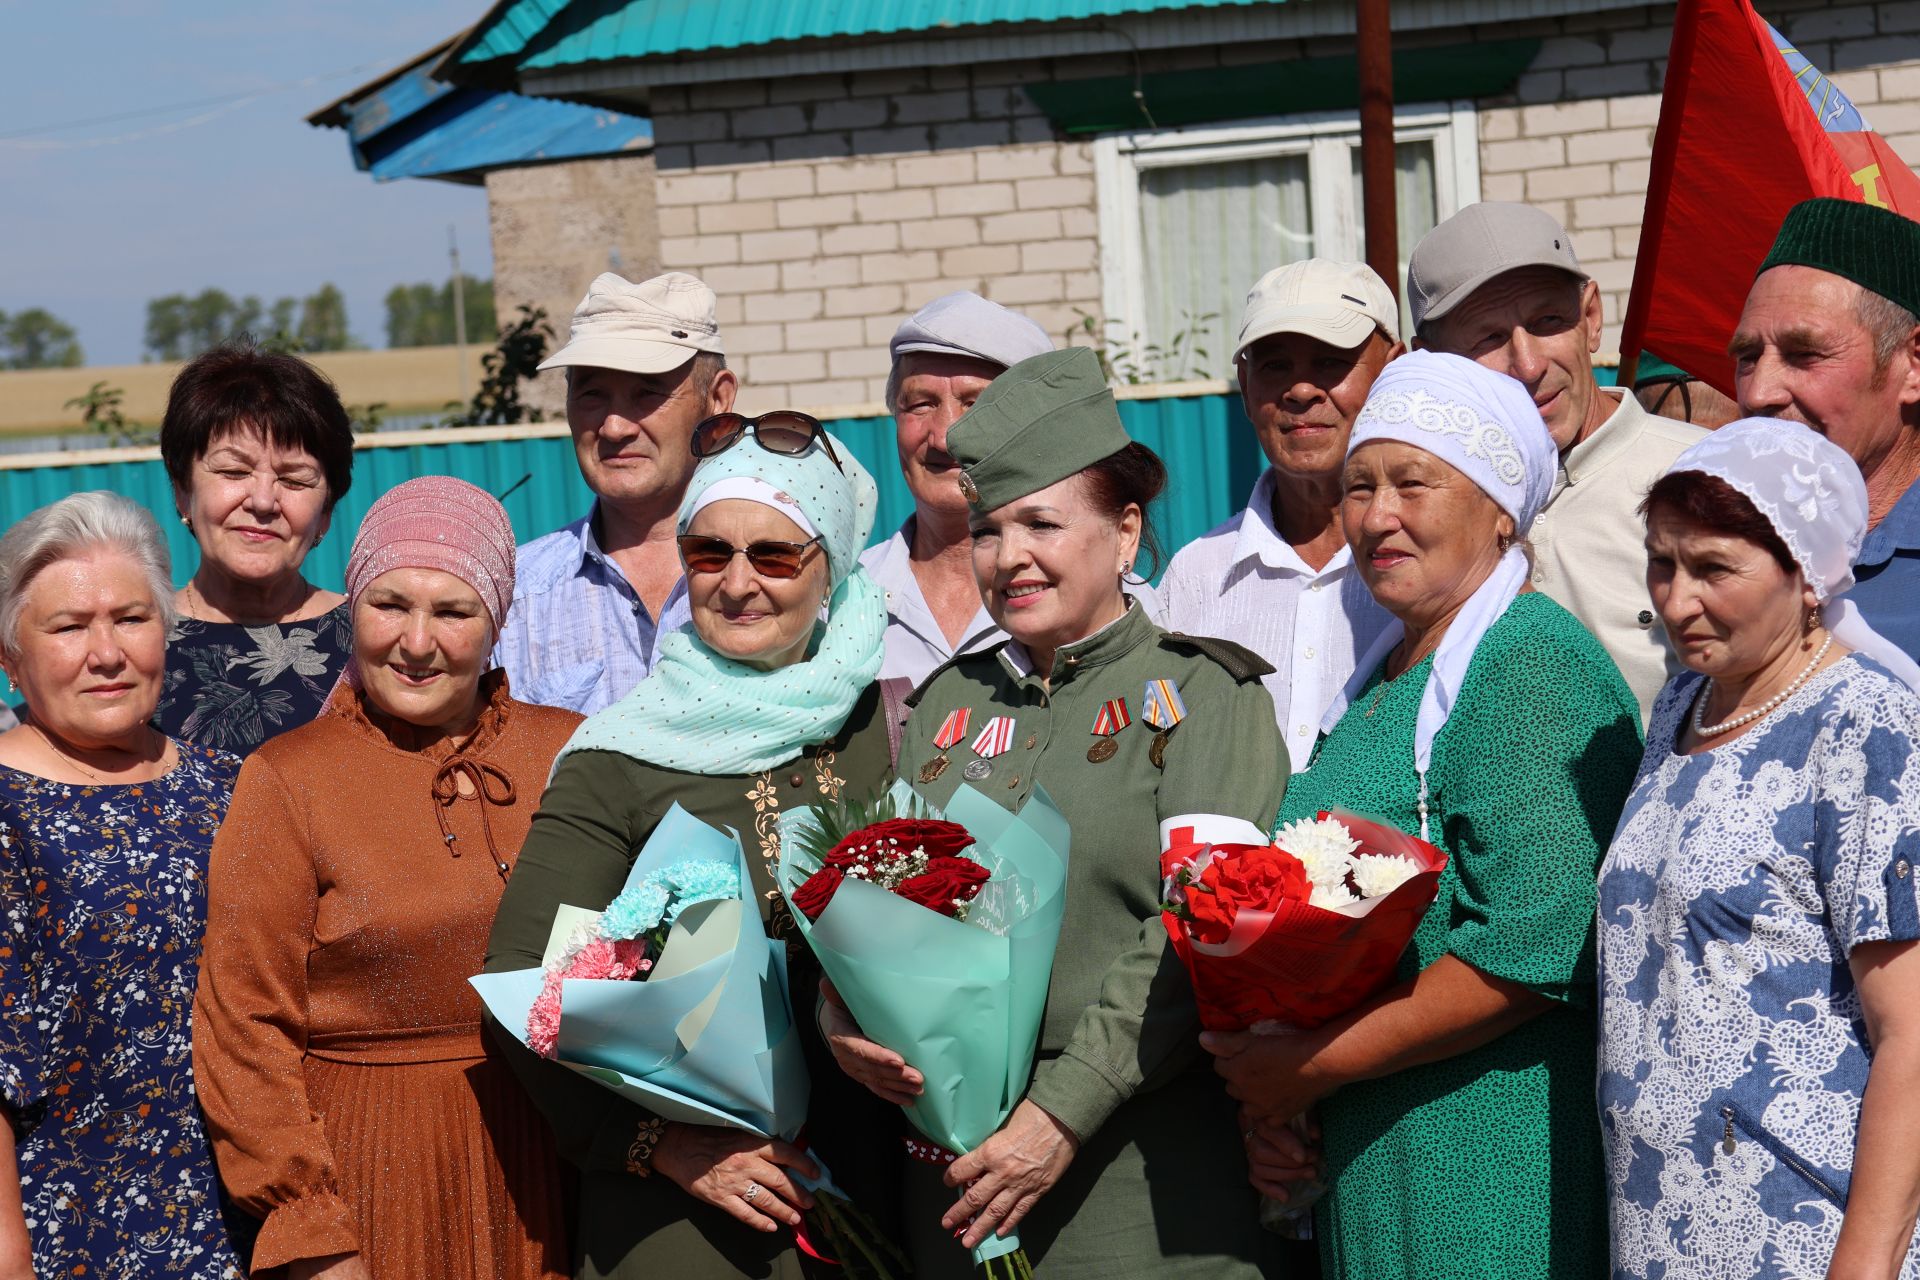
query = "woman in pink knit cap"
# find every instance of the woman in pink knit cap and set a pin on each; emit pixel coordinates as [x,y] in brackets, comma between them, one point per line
[353,1103]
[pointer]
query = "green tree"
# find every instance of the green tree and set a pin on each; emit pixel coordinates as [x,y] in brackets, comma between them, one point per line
[323,321]
[38,339]
[517,357]
[421,315]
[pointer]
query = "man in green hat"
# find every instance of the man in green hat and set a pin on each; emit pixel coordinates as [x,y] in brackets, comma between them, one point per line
[1830,337]
[1125,1157]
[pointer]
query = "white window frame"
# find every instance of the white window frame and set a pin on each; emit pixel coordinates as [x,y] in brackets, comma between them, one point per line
[1325,138]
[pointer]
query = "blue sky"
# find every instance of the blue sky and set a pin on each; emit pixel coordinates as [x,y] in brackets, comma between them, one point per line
[95,220]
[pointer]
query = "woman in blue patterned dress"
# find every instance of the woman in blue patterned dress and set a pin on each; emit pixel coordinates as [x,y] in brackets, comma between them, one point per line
[1760,1038]
[105,827]
[259,450]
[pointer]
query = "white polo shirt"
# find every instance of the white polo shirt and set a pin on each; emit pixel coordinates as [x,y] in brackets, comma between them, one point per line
[1244,582]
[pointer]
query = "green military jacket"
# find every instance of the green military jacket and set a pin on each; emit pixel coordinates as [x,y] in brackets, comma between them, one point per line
[1120,1014]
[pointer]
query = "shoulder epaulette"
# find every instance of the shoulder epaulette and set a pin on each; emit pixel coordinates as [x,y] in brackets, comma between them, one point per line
[1242,664]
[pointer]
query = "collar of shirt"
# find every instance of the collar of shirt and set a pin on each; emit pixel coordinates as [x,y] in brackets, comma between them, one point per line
[1613,440]
[1260,539]
[1109,644]
[1898,530]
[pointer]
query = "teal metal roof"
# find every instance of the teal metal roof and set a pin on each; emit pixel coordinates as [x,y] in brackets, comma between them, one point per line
[547,34]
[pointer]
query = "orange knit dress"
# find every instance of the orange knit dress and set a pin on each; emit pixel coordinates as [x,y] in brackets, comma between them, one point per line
[352,1100]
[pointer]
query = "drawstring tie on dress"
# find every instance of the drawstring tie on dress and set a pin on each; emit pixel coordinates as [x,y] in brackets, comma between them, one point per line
[490,784]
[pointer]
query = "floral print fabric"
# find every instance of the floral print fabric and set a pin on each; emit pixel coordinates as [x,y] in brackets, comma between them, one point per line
[1733,1057]
[102,906]
[232,687]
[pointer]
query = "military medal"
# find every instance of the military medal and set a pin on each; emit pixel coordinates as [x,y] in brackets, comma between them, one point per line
[1112,719]
[952,729]
[1162,707]
[994,740]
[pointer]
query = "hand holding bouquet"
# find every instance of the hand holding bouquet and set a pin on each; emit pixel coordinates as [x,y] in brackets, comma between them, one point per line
[938,931]
[1288,935]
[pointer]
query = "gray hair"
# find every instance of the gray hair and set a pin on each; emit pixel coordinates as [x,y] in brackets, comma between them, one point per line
[893,373]
[1891,325]
[65,529]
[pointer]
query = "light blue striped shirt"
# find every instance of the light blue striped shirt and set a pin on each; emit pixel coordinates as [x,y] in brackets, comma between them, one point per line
[577,634]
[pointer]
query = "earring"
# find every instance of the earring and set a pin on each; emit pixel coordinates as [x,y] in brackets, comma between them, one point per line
[316,542]
[188,522]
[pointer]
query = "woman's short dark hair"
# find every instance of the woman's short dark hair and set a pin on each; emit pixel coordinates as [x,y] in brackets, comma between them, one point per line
[1712,503]
[283,397]
[1133,476]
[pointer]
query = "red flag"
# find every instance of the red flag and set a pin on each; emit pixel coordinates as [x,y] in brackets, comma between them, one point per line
[1748,129]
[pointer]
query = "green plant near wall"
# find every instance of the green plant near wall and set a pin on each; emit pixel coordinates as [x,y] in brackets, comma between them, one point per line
[515,358]
[1129,361]
[100,411]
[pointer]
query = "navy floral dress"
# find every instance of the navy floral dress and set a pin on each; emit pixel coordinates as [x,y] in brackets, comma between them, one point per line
[232,687]
[102,907]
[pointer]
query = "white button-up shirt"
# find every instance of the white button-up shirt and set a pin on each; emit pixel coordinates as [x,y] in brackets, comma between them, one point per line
[1244,582]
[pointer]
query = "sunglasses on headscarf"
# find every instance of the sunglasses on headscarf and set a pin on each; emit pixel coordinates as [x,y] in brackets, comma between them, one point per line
[768,559]
[786,432]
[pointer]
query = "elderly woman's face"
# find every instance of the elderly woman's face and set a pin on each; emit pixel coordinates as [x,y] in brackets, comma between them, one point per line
[1728,606]
[422,639]
[743,614]
[935,391]
[92,648]
[1424,537]
[1049,564]
[256,508]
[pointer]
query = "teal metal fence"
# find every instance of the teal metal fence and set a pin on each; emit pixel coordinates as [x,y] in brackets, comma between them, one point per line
[1211,456]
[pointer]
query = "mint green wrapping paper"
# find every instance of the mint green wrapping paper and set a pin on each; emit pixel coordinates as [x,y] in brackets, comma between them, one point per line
[708,1038]
[961,1001]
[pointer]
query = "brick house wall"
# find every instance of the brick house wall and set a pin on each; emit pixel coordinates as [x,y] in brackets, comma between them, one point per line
[824,208]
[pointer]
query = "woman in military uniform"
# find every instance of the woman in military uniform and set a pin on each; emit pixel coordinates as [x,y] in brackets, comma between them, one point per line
[757,708]
[1124,1158]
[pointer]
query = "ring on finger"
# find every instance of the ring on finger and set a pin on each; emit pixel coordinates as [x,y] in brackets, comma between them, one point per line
[753,1190]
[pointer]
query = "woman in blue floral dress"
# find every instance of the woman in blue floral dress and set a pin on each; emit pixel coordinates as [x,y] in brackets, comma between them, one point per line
[259,449]
[105,828]
[1760,1038]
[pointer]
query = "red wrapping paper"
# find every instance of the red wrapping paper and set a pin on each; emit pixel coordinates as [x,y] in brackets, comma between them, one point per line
[1300,965]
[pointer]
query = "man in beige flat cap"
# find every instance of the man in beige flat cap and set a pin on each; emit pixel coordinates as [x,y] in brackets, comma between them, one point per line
[644,366]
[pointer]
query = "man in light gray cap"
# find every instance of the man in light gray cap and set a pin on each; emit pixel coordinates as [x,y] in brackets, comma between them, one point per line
[944,355]
[1278,577]
[1499,284]
[644,366]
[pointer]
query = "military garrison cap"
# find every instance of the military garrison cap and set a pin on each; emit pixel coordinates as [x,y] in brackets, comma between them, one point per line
[1877,249]
[1046,418]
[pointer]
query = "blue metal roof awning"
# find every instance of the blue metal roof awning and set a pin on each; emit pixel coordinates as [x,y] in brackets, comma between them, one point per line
[409,125]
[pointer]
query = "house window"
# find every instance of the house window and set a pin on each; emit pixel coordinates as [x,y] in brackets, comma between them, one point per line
[1190,218]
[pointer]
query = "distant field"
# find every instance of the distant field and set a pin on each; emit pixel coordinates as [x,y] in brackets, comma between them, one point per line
[411,380]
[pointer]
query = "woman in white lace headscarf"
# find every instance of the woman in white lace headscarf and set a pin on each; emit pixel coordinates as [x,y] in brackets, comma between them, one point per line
[1758,910]
[1457,1135]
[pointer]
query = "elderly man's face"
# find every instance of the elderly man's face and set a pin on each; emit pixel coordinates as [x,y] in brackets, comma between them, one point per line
[633,432]
[1301,396]
[1541,326]
[933,392]
[1801,352]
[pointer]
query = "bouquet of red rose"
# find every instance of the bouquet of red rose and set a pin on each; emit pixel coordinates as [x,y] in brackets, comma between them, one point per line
[1287,935]
[938,930]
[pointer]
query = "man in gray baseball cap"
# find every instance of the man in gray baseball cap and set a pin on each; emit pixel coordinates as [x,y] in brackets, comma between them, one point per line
[644,365]
[1500,284]
[1278,577]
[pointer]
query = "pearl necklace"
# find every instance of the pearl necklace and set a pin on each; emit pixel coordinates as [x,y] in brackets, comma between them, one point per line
[1704,730]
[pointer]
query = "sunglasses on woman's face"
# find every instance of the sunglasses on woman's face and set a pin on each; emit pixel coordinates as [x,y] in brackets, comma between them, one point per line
[784,431]
[768,559]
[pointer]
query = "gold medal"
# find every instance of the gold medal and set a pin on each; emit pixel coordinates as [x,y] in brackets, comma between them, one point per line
[933,768]
[1102,751]
[1158,751]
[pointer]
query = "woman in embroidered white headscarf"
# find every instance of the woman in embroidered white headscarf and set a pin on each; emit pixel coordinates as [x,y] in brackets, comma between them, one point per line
[767,701]
[1759,1034]
[1456,1133]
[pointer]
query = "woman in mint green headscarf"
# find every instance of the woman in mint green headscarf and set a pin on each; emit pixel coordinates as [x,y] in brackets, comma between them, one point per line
[766,702]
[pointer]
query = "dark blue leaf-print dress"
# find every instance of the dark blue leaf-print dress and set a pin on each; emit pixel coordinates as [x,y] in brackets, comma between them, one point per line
[232,686]
[102,907]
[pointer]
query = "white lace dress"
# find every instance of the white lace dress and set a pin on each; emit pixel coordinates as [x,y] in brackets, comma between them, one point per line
[1733,1057]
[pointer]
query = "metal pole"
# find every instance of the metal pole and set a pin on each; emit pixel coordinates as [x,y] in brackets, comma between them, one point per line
[459,311]
[1374,32]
